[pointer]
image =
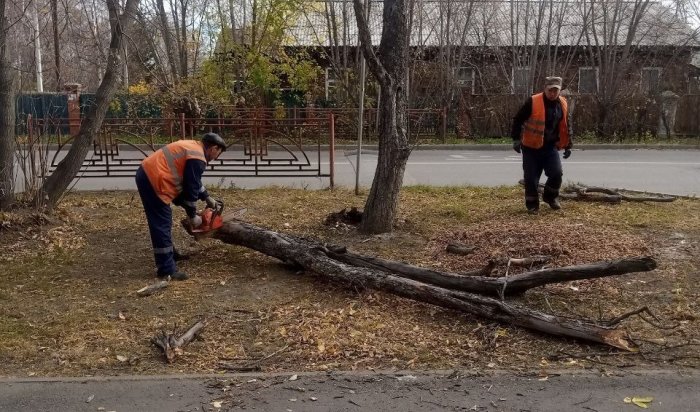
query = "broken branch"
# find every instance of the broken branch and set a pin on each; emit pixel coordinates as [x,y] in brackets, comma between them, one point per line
[171,345]
[151,289]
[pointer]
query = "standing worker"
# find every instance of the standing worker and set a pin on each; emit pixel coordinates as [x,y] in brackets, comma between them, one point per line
[540,129]
[173,174]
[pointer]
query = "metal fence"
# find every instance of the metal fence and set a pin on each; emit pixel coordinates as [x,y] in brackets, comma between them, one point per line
[257,146]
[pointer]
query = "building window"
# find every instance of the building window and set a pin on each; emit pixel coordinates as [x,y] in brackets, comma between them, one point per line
[464,77]
[521,80]
[651,77]
[693,83]
[588,80]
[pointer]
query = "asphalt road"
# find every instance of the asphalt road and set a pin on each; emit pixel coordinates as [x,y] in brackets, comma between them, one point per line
[571,392]
[661,171]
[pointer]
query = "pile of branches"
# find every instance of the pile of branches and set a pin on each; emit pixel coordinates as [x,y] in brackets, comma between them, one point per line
[605,195]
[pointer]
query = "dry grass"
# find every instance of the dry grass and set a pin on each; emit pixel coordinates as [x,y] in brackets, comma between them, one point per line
[68,307]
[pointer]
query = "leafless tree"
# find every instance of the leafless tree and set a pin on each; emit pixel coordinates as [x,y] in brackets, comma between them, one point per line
[56,184]
[611,32]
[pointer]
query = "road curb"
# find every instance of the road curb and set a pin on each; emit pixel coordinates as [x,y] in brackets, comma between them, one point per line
[387,373]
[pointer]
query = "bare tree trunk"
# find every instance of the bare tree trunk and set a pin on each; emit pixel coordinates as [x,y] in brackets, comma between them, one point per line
[56,44]
[390,69]
[183,41]
[317,259]
[56,184]
[8,86]
[173,61]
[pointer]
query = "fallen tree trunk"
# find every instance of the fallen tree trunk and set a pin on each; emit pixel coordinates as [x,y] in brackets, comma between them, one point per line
[318,259]
[475,282]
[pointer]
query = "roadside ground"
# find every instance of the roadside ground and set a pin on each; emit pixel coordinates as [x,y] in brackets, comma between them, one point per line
[68,305]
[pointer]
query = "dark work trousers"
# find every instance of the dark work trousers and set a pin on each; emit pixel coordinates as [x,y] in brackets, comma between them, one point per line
[535,161]
[160,221]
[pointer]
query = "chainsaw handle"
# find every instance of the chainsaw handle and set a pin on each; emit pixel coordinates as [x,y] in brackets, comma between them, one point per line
[218,209]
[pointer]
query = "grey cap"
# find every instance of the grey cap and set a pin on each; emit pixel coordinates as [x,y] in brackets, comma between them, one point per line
[552,82]
[213,139]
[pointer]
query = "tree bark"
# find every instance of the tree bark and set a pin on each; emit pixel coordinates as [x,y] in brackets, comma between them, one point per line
[8,86]
[56,44]
[390,69]
[56,184]
[318,259]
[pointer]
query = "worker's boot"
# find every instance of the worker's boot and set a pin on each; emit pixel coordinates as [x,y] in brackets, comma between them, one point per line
[554,203]
[174,276]
[179,256]
[551,197]
[532,203]
[179,276]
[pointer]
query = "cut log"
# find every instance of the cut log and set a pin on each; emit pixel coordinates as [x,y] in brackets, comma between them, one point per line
[171,345]
[459,248]
[319,260]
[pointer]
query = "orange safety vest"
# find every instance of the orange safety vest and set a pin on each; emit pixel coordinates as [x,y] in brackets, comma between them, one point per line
[533,130]
[165,168]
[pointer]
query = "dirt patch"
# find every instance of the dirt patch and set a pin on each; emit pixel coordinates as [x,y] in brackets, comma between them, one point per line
[68,304]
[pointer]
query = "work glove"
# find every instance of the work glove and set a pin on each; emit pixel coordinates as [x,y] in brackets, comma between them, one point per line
[195,222]
[567,153]
[517,145]
[213,203]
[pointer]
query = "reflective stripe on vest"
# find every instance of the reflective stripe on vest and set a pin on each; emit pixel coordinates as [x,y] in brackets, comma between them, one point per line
[171,158]
[532,134]
[165,167]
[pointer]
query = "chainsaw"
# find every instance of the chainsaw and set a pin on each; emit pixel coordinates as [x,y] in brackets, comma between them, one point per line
[212,220]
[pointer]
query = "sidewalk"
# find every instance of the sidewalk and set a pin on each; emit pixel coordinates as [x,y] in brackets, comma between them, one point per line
[372,146]
[354,391]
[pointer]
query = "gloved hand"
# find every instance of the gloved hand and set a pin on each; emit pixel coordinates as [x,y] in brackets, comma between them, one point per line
[567,153]
[213,203]
[517,145]
[195,222]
